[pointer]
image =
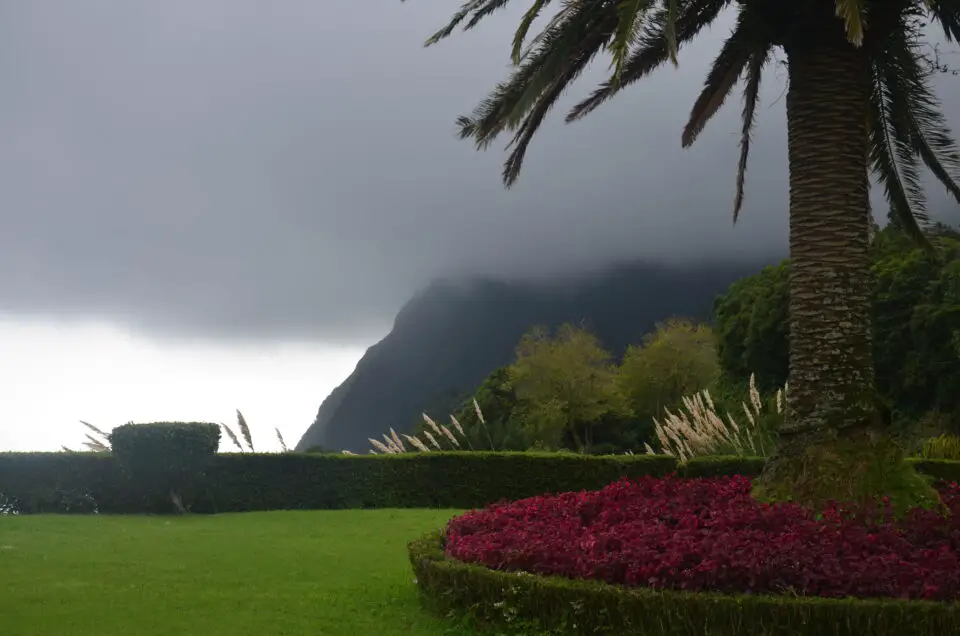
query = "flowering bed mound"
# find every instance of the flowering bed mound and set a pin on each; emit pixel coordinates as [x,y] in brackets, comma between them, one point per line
[710,535]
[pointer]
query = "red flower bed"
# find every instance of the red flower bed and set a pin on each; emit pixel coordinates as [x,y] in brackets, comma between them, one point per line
[709,534]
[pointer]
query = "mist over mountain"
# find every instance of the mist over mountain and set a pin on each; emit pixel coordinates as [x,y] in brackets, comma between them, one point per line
[451,335]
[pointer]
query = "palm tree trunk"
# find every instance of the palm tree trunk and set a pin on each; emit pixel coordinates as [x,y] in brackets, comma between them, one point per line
[832,446]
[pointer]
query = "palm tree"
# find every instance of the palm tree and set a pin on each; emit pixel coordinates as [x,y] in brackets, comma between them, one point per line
[859,100]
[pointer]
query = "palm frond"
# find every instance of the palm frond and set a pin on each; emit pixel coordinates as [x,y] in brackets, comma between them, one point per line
[521,141]
[938,150]
[930,135]
[947,13]
[509,103]
[653,49]
[480,10]
[751,95]
[561,53]
[557,18]
[670,30]
[629,27]
[891,154]
[918,125]
[520,36]
[726,70]
[854,16]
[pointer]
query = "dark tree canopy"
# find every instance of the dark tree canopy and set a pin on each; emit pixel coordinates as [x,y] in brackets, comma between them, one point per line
[916,324]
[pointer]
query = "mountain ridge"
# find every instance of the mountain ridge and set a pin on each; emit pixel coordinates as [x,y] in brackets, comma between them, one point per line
[449,336]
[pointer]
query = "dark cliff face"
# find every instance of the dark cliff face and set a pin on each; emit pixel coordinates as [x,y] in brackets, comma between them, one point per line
[448,338]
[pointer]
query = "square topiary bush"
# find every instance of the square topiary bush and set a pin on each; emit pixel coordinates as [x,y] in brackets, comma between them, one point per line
[166,459]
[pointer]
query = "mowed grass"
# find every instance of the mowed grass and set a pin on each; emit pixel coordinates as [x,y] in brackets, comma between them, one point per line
[324,572]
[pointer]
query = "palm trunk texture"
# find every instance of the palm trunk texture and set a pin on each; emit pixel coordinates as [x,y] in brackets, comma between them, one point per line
[833,444]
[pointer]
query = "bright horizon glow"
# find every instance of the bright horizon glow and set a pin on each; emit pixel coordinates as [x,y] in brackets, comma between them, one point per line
[53,374]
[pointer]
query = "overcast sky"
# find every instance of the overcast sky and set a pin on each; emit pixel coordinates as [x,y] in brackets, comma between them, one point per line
[254,176]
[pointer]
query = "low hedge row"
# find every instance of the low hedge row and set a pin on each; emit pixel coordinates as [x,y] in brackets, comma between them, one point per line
[66,482]
[521,601]
[721,466]
[237,482]
[940,469]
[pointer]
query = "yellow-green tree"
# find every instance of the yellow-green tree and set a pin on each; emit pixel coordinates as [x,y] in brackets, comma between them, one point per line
[565,382]
[678,359]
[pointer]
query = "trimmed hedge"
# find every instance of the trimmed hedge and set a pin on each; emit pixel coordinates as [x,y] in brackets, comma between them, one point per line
[66,482]
[236,482]
[525,601]
[166,459]
[940,469]
[166,447]
[721,466]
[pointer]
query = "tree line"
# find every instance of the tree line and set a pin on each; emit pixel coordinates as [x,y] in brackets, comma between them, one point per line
[565,391]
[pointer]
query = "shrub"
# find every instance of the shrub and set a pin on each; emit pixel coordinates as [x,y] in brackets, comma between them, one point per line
[235,482]
[721,466]
[558,605]
[422,480]
[166,457]
[48,482]
[677,359]
[711,535]
[945,470]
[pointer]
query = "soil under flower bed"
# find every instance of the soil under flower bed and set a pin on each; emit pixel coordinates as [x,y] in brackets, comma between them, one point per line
[710,535]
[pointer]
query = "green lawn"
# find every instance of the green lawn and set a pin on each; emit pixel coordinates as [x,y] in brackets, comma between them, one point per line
[327,572]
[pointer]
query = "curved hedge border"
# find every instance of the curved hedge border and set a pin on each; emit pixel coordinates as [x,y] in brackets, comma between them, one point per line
[522,601]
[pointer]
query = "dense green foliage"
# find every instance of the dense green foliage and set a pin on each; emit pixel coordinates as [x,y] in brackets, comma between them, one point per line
[165,459]
[234,482]
[563,391]
[916,326]
[342,573]
[565,384]
[752,327]
[677,360]
[568,606]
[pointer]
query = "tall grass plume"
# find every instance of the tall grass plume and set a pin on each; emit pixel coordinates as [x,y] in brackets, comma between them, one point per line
[696,428]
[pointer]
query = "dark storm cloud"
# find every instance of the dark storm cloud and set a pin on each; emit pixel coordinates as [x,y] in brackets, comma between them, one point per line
[246,168]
